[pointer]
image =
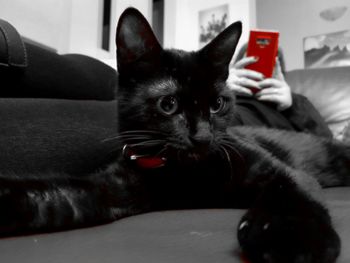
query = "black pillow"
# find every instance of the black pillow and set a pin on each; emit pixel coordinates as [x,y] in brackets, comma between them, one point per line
[50,75]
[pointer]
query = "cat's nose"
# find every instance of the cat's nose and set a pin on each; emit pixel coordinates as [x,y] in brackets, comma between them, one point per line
[200,145]
[201,141]
[202,137]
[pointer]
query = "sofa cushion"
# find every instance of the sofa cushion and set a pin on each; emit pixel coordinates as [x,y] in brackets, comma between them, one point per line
[55,135]
[329,90]
[346,133]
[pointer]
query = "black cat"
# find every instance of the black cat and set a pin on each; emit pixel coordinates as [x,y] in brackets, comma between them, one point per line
[176,149]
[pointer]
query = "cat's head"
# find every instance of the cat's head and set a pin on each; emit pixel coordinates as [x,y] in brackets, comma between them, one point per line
[172,99]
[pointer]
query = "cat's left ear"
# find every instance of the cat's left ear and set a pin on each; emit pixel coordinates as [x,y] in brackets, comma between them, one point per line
[137,46]
[220,50]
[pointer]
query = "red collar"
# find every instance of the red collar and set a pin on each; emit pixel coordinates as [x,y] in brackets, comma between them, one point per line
[143,161]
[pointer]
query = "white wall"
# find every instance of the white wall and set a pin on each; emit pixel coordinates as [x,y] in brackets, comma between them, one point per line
[85,22]
[69,26]
[74,26]
[181,28]
[45,21]
[296,19]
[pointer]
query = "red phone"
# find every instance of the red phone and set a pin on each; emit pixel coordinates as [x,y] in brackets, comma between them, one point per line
[264,45]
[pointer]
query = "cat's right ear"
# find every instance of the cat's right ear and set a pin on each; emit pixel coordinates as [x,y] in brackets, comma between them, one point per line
[137,46]
[218,53]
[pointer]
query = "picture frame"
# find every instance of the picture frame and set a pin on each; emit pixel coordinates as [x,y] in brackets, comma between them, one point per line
[327,50]
[211,22]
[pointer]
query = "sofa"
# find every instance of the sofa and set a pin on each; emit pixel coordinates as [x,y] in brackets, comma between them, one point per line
[329,90]
[56,112]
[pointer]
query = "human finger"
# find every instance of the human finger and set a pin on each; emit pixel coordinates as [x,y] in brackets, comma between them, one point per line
[247,83]
[248,73]
[242,91]
[281,102]
[269,91]
[278,70]
[275,98]
[245,62]
[270,82]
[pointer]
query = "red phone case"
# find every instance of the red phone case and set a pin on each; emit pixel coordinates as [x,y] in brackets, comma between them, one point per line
[264,45]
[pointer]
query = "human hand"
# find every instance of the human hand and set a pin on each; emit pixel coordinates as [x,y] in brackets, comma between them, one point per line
[276,90]
[242,80]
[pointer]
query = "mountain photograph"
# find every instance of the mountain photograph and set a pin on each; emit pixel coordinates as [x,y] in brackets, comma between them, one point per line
[328,50]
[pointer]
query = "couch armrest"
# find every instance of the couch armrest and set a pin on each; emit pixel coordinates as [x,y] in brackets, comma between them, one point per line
[12,50]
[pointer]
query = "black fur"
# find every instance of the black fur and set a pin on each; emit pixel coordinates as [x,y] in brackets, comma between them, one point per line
[175,105]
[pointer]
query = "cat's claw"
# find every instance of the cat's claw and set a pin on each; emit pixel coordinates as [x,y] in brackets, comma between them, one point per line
[243,225]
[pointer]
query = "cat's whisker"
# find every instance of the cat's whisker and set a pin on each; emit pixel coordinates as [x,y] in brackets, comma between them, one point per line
[228,144]
[145,144]
[135,135]
[231,147]
[136,139]
[143,132]
[236,158]
[227,157]
[220,151]
[161,151]
[228,139]
[148,143]
[126,137]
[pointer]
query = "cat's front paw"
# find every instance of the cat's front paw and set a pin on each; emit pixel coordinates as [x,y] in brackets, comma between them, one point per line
[16,212]
[287,239]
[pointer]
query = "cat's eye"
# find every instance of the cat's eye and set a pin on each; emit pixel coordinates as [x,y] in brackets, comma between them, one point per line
[167,105]
[217,105]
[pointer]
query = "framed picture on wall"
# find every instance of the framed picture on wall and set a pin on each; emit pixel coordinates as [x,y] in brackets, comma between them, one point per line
[211,22]
[327,50]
